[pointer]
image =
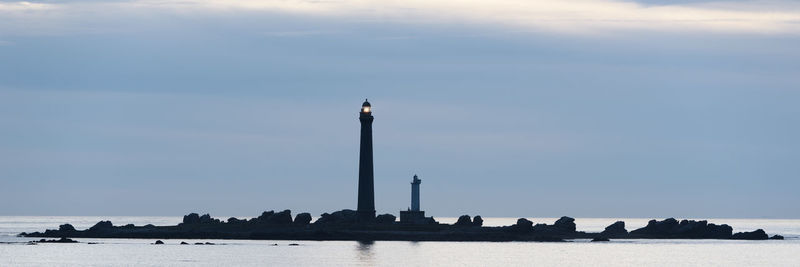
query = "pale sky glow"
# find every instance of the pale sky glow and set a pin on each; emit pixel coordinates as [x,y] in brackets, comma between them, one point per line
[575,17]
[648,108]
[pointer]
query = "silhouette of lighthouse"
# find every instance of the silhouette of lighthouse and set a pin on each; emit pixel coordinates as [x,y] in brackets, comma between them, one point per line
[366,183]
[415,193]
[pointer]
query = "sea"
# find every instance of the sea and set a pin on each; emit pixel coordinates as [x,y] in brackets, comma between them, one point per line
[14,251]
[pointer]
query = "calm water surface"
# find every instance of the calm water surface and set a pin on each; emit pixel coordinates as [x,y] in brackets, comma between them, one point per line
[128,252]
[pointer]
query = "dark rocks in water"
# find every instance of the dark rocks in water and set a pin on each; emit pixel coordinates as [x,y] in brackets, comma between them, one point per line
[600,239]
[194,218]
[523,225]
[274,218]
[191,218]
[385,219]
[565,224]
[149,226]
[282,218]
[776,237]
[345,216]
[754,235]
[615,230]
[294,244]
[209,243]
[199,243]
[464,220]
[206,218]
[184,243]
[158,242]
[60,240]
[129,226]
[342,225]
[477,221]
[690,229]
[102,225]
[302,219]
[66,228]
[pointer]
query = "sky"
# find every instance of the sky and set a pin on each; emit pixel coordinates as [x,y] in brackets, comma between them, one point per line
[505,108]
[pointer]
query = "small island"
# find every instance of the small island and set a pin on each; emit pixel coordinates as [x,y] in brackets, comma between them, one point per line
[344,225]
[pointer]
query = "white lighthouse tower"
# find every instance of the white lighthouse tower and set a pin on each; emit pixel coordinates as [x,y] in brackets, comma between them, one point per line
[414,215]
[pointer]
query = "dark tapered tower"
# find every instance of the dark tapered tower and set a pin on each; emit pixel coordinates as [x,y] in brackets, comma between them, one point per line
[366,183]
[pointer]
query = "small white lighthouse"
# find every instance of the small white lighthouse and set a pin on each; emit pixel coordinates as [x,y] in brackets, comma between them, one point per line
[415,193]
[414,215]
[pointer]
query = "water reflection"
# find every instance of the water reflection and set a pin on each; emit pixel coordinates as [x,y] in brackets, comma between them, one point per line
[365,254]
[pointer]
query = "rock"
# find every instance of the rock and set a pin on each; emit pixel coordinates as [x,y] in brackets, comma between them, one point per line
[101,225]
[233,220]
[464,220]
[206,218]
[294,244]
[302,219]
[60,240]
[66,228]
[184,243]
[522,225]
[191,218]
[385,219]
[129,226]
[477,221]
[339,217]
[275,218]
[565,224]
[209,243]
[615,229]
[600,239]
[159,242]
[671,228]
[776,237]
[754,235]
[199,243]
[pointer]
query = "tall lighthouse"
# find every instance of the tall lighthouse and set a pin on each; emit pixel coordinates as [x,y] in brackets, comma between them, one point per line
[366,178]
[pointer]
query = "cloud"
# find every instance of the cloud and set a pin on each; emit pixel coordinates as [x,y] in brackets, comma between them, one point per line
[572,17]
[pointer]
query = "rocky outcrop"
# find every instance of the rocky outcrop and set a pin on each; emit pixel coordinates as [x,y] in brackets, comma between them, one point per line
[464,220]
[101,225]
[66,228]
[616,229]
[275,218]
[302,219]
[685,229]
[385,219]
[342,225]
[339,217]
[522,226]
[60,240]
[776,237]
[194,218]
[565,224]
[477,221]
[754,235]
